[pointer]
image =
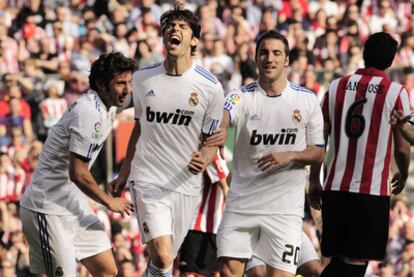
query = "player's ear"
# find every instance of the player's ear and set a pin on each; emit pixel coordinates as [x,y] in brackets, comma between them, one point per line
[287,61]
[194,41]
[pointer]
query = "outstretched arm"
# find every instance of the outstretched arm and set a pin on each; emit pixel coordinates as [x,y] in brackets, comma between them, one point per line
[79,174]
[116,186]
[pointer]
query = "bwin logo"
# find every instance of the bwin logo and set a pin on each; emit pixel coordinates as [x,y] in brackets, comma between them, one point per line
[180,117]
[278,138]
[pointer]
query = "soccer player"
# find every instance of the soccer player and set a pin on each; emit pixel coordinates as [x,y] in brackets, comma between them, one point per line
[57,220]
[177,104]
[279,130]
[356,192]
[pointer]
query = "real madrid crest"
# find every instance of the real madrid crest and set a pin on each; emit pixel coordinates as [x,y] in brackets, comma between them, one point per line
[193,100]
[297,117]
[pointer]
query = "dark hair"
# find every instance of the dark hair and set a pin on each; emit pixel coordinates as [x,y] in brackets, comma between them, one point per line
[108,65]
[379,50]
[272,34]
[178,13]
[181,14]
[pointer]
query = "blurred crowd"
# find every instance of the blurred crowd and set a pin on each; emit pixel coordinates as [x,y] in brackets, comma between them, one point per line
[47,46]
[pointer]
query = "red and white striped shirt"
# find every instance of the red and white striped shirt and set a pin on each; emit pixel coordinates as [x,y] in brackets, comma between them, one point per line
[52,109]
[12,185]
[358,109]
[210,211]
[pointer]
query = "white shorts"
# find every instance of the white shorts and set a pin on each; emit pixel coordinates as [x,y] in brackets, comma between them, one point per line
[274,239]
[163,212]
[307,253]
[56,242]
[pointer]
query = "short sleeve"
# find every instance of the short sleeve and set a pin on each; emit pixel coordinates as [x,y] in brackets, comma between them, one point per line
[403,104]
[233,104]
[135,97]
[85,131]
[214,111]
[314,128]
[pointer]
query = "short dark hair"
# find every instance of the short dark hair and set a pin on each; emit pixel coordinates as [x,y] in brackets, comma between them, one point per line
[108,65]
[379,50]
[181,14]
[272,34]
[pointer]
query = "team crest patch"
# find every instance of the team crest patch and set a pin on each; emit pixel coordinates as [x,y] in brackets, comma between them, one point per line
[146,228]
[59,271]
[297,117]
[193,100]
[97,130]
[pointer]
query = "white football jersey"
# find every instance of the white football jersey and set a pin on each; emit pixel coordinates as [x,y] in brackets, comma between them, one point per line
[174,112]
[263,124]
[82,130]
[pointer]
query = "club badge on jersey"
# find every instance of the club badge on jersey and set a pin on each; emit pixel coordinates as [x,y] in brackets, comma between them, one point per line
[297,117]
[193,100]
[97,133]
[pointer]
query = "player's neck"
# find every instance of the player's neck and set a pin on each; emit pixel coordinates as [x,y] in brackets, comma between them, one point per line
[177,65]
[273,88]
[104,100]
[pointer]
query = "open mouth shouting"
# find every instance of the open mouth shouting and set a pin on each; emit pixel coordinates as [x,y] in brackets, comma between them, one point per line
[174,41]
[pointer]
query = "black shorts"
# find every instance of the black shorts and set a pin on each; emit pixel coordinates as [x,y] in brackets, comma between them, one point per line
[354,225]
[198,254]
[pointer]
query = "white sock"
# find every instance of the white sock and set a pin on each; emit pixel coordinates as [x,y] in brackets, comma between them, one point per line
[154,271]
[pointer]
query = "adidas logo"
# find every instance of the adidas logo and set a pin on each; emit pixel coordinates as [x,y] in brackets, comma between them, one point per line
[150,93]
[254,117]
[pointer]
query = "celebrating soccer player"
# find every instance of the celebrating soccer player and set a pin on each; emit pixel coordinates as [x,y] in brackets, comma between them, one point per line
[57,220]
[177,104]
[279,130]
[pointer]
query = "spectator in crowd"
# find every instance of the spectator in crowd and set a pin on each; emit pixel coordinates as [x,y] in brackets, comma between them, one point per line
[53,106]
[219,63]
[145,55]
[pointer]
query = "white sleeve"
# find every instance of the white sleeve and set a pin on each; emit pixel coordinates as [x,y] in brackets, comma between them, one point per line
[214,111]
[233,105]
[85,130]
[404,105]
[136,98]
[314,127]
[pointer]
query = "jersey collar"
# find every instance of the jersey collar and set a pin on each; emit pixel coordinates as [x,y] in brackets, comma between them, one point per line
[259,88]
[99,104]
[370,71]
